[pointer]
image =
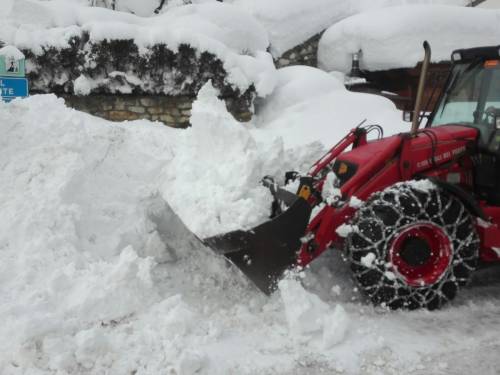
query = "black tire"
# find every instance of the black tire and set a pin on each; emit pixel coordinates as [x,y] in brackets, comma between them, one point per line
[385,226]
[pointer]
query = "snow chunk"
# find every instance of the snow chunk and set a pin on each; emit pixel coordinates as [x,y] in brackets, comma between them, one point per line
[336,325]
[368,260]
[398,43]
[390,275]
[208,104]
[304,311]
[346,229]
[483,223]
[83,85]
[423,185]
[307,314]
[355,202]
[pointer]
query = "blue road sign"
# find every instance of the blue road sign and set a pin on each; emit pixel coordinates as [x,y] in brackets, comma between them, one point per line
[11,88]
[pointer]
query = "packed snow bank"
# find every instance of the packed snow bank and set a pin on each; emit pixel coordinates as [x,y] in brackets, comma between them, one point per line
[291,22]
[223,30]
[81,244]
[398,43]
[309,105]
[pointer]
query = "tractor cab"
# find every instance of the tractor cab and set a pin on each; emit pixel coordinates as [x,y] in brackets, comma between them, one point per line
[472,99]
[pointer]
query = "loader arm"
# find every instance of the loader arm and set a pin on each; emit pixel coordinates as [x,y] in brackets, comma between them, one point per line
[382,170]
[263,253]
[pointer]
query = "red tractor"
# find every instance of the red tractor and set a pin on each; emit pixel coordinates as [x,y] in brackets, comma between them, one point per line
[414,214]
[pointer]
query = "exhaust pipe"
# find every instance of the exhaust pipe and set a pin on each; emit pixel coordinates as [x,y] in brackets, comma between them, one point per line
[421,87]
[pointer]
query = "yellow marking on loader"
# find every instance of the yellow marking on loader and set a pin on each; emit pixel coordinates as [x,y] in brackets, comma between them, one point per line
[305,192]
[343,168]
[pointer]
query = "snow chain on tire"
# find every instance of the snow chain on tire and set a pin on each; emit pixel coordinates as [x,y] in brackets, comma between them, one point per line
[386,214]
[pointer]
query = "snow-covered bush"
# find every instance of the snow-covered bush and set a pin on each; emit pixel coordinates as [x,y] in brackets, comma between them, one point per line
[112,66]
[72,48]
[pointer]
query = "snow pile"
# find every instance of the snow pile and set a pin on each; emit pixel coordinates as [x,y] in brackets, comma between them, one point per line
[94,260]
[312,318]
[96,264]
[398,43]
[310,105]
[291,22]
[46,28]
[219,161]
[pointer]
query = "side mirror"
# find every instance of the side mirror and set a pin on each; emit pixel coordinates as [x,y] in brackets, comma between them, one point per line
[408,116]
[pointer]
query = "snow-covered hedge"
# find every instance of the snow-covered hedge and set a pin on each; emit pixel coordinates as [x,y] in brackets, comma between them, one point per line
[117,66]
[71,48]
[392,38]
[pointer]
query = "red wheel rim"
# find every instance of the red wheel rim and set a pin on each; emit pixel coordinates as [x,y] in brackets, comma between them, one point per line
[420,254]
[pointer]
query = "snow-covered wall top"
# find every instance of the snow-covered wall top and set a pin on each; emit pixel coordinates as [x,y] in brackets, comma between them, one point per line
[398,43]
[221,30]
[291,22]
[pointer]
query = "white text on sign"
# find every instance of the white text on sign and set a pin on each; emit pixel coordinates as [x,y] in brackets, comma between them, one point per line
[6,91]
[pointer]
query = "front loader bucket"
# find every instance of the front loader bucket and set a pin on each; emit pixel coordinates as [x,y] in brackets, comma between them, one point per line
[266,251]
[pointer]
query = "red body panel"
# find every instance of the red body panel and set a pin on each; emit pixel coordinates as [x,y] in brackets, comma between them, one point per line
[490,234]
[434,152]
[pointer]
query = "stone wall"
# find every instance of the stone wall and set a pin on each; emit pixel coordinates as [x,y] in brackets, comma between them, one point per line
[303,54]
[173,111]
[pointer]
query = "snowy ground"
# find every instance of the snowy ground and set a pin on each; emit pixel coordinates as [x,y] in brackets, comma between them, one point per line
[99,276]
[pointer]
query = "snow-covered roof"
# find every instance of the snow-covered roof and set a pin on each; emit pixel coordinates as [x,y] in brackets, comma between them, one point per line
[398,43]
[291,22]
[235,37]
